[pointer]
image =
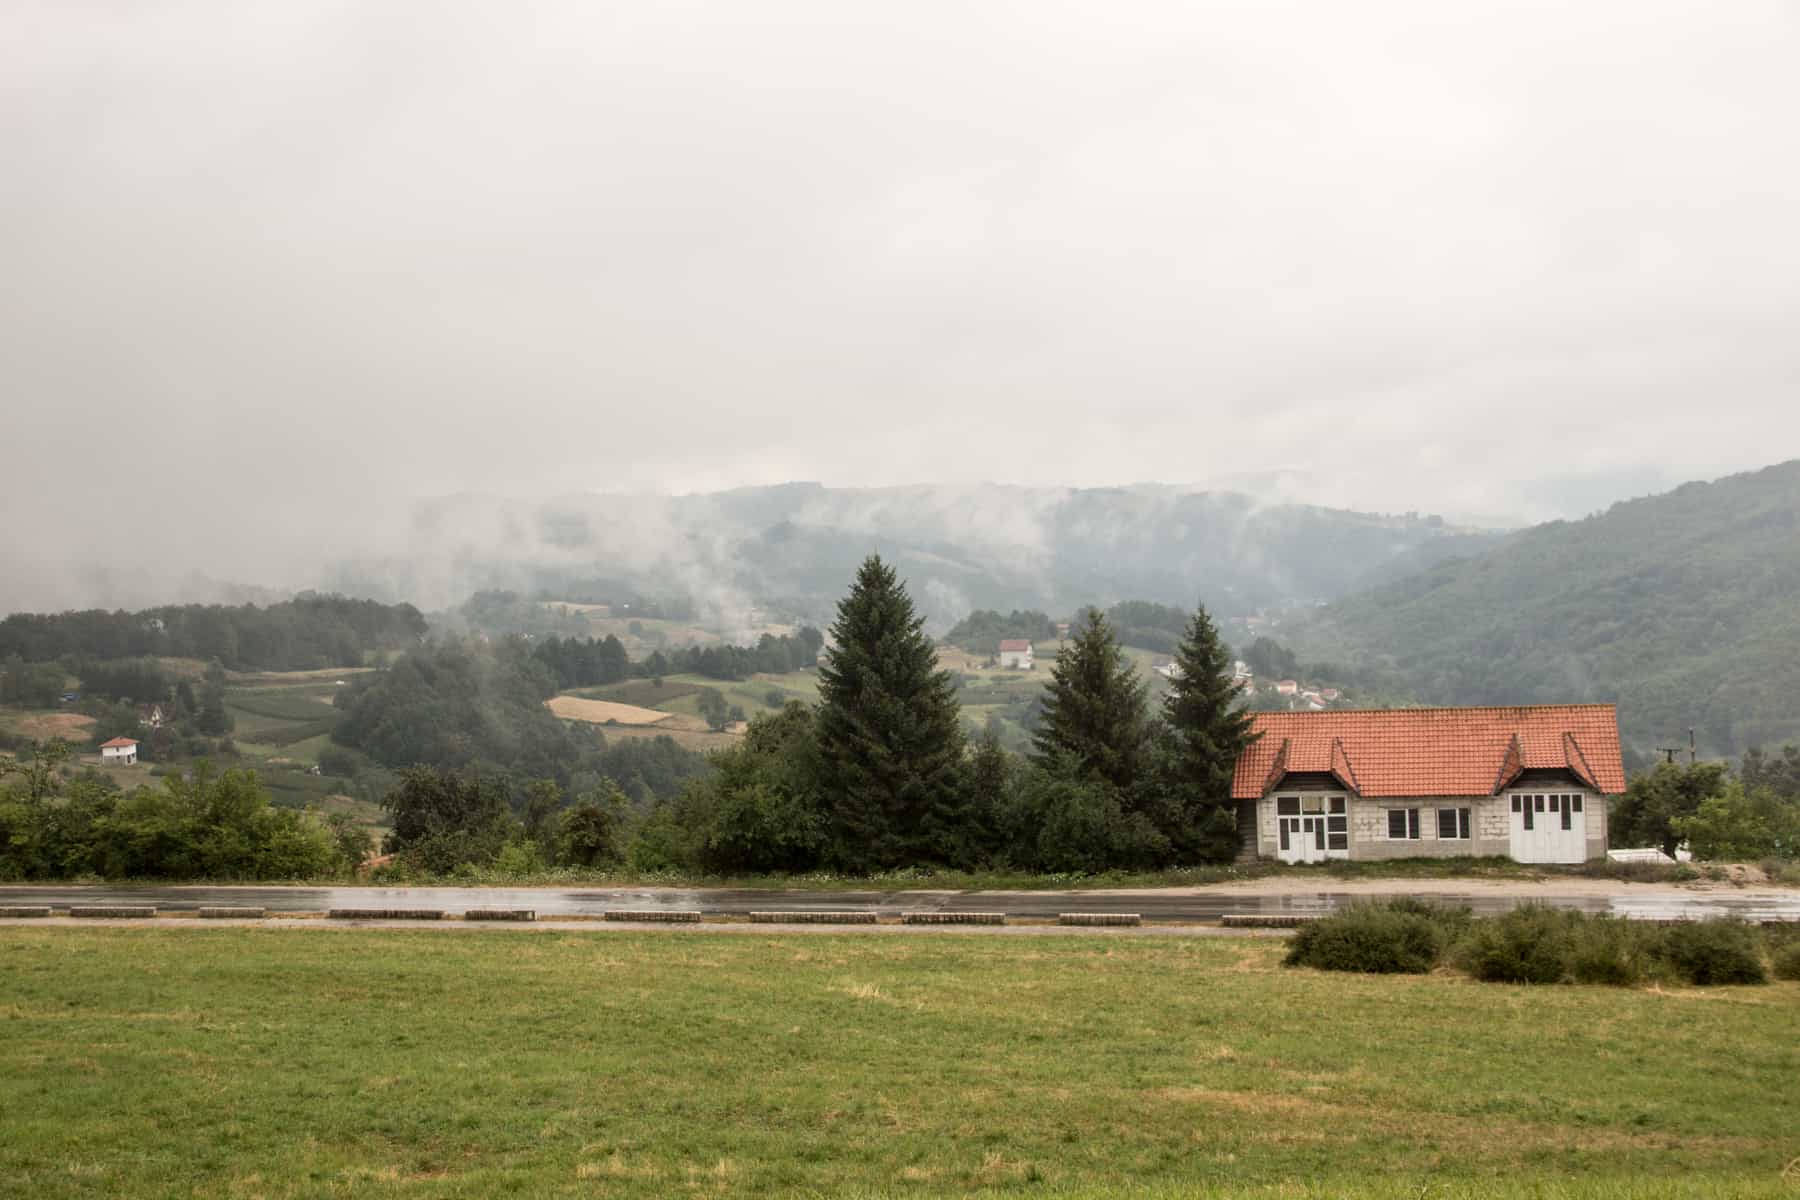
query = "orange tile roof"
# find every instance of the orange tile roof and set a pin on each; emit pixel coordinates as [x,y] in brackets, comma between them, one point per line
[117,742]
[1434,751]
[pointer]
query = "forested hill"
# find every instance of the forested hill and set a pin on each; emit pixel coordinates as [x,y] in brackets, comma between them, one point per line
[1684,608]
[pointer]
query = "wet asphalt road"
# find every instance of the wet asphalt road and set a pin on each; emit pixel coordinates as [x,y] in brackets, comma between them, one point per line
[1169,905]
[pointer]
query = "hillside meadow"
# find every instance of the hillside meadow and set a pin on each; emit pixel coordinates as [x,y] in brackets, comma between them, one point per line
[235,1062]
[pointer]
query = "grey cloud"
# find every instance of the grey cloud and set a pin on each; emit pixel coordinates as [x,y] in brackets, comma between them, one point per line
[276,271]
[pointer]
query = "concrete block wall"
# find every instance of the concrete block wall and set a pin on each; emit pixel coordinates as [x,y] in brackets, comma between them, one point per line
[1487,827]
[1490,823]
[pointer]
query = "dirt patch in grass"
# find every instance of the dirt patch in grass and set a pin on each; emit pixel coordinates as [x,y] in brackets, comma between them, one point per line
[599,712]
[71,727]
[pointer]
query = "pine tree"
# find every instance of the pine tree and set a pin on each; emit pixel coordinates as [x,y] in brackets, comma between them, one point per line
[890,733]
[990,773]
[1094,711]
[1207,729]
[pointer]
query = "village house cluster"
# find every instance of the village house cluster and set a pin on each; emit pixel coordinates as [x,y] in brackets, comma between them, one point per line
[1311,697]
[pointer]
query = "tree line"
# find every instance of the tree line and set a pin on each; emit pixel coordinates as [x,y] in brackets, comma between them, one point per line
[1139,623]
[1718,814]
[882,774]
[55,824]
[311,631]
[594,662]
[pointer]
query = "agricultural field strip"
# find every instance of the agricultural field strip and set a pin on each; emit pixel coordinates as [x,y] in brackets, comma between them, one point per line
[599,712]
[285,704]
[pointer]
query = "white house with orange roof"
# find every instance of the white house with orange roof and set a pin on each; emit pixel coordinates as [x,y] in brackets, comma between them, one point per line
[121,751]
[1015,654]
[1533,783]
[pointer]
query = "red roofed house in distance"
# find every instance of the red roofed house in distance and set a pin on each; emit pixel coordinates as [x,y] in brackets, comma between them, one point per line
[1531,782]
[1015,654]
[119,750]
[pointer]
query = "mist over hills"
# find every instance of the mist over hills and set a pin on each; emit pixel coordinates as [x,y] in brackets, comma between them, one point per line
[1680,607]
[793,547]
[1684,608]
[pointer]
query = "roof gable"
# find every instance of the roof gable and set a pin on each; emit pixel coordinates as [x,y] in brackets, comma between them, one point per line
[1434,751]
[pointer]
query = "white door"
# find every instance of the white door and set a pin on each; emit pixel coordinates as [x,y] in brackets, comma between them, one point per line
[1549,827]
[1301,839]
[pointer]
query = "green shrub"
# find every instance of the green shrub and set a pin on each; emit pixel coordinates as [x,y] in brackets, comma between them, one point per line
[1787,962]
[1610,950]
[518,860]
[340,761]
[1375,938]
[1452,920]
[1706,953]
[1531,944]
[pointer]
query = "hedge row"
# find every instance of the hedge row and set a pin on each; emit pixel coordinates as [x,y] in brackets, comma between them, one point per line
[1537,944]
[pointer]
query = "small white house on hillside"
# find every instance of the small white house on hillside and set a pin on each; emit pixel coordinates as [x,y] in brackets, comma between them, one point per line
[120,750]
[1015,654]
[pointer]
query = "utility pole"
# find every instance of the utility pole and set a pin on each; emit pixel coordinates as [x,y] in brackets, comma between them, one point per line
[1669,752]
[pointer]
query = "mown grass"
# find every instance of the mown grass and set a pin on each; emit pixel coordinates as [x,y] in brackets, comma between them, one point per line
[233,1062]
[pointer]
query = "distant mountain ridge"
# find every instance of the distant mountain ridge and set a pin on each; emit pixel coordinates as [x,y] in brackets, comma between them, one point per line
[795,545]
[1683,608]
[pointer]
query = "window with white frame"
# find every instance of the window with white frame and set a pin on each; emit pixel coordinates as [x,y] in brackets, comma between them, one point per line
[1402,824]
[1453,824]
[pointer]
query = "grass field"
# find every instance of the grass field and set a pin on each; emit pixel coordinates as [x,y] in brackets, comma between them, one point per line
[646,693]
[233,1062]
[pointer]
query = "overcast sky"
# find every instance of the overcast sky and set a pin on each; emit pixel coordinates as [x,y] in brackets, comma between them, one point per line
[274,262]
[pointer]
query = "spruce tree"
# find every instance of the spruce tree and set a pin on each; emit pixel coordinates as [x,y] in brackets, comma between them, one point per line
[1207,729]
[890,733]
[1095,717]
[990,772]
